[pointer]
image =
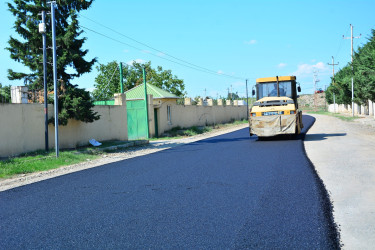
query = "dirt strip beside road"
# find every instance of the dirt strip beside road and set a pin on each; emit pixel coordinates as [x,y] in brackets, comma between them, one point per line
[343,154]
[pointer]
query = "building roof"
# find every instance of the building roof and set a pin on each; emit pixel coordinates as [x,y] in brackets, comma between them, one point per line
[138,92]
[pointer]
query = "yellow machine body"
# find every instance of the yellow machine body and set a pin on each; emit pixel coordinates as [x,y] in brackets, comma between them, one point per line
[276,110]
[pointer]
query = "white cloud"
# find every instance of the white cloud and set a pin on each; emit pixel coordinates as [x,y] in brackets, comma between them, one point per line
[308,69]
[281,65]
[125,51]
[136,60]
[90,89]
[146,51]
[220,72]
[160,54]
[239,84]
[251,42]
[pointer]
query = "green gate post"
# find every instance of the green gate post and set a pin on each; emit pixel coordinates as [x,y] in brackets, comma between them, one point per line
[146,102]
[121,79]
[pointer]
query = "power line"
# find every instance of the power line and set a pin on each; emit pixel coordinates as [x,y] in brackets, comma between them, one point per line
[341,43]
[196,67]
[148,46]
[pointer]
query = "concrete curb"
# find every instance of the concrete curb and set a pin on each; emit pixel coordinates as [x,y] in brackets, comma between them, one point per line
[125,145]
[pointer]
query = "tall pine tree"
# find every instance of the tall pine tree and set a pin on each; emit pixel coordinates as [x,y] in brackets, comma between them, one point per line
[74,103]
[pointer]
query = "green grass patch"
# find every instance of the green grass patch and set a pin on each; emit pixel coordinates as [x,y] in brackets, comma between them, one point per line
[197,130]
[40,161]
[342,117]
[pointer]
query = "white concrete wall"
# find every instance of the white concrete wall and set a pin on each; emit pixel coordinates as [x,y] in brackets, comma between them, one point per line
[19,94]
[368,109]
[186,116]
[22,128]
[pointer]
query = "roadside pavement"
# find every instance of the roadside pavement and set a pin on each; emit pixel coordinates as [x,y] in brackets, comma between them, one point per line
[343,154]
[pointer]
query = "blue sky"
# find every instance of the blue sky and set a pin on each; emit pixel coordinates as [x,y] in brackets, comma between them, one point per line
[242,39]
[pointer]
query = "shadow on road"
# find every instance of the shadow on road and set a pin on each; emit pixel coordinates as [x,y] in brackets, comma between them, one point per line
[320,137]
[225,140]
[281,138]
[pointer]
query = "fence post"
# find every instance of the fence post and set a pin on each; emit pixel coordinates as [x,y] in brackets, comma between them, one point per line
[146,102]
[121,79]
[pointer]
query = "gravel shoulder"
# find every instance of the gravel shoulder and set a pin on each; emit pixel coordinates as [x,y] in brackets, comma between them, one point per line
[343,156]
[119,155]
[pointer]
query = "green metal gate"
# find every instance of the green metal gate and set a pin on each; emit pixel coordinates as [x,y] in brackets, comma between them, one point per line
[136,113]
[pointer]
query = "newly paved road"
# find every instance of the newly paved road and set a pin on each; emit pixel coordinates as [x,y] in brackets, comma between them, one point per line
[229,191]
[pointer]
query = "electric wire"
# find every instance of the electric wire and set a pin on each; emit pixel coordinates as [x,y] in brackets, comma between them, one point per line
[116,40]
[148,46]
[202,69]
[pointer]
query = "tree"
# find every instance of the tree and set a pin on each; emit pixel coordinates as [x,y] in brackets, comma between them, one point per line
[5,94]
[233,96]
[363,74]
[108,79]
[70,54]
[364,71]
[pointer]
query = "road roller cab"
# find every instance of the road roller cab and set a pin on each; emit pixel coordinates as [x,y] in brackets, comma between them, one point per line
[276,110]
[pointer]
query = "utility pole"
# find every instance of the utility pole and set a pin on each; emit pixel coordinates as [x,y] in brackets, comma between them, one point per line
[333,67]
[42,29]
[333,80]
[351,38]
[205,93]
[55,78]
[247,102]
[121,79]
[146,101]
[315,81]
[231,95]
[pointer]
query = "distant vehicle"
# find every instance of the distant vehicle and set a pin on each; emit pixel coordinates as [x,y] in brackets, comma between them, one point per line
[319,91]
[276,110]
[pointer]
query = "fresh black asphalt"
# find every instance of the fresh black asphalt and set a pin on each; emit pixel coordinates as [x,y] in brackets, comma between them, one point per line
[225,192]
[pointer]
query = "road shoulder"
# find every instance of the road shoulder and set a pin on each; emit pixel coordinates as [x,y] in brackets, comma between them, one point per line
[343,156]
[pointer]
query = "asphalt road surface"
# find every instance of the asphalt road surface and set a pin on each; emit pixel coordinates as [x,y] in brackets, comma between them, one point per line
[225,192]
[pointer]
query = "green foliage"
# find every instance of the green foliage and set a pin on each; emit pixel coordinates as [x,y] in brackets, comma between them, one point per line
[233,96]
[107,83]
[70,54]
[76,104]
[40,161]
[363,75]
[5,94]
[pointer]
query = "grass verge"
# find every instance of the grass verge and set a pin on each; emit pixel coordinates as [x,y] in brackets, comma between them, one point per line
[40,161]
[342,117]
